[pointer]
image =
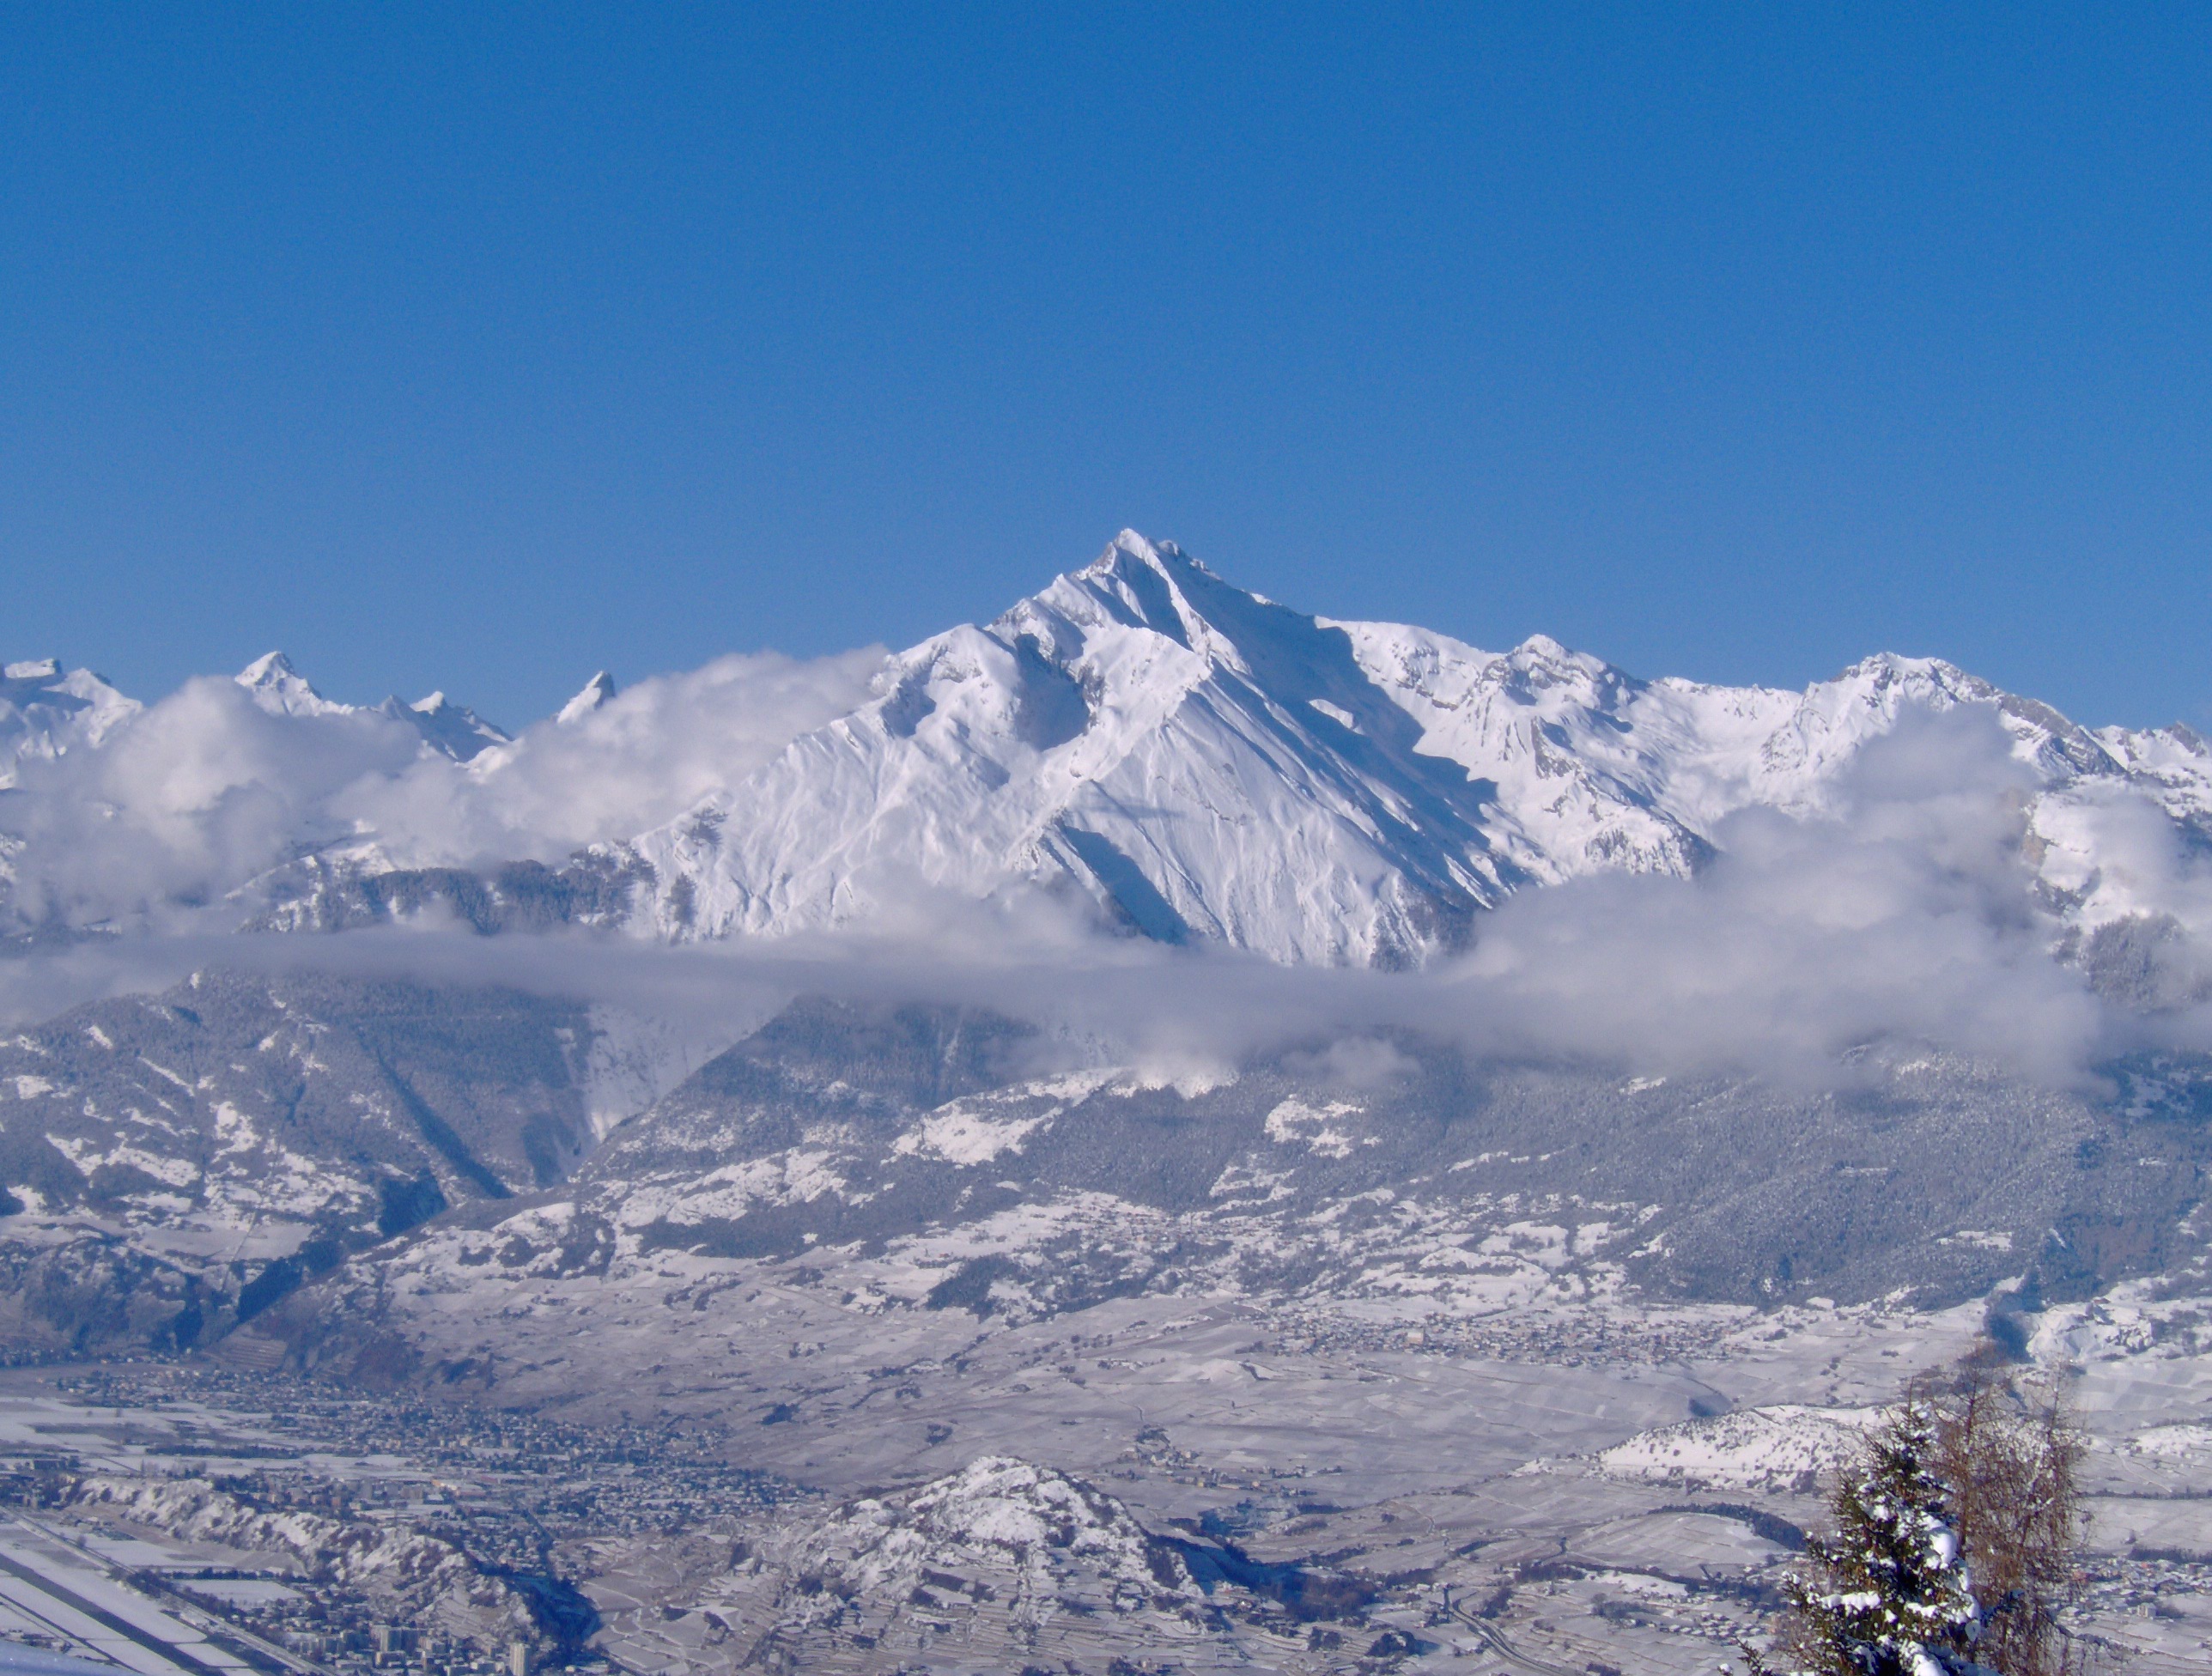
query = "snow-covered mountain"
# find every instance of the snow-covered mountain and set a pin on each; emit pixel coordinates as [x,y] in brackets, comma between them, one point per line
[1201,762]
[45,711]
[1142,741]
[450,729]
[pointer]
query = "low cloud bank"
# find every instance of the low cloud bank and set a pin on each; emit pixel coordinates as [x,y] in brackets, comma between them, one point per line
[1909,914]
[1912,911]
[188,801]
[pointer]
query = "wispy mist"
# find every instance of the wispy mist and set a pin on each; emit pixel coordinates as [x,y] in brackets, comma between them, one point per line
[1911,913]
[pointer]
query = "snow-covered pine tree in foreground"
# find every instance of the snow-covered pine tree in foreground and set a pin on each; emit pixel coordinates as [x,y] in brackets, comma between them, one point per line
[1888,1594]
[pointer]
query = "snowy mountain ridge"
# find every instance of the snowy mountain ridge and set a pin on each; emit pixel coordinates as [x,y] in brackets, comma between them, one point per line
[47,712]
[450,729]
[1204,764]
[1157,749]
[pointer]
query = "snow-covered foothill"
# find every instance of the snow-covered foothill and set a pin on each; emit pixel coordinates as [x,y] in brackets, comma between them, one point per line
[433,1578]
[1005,1561]
[1784,1449]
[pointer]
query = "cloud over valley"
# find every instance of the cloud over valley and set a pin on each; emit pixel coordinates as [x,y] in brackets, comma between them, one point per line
[1174,822]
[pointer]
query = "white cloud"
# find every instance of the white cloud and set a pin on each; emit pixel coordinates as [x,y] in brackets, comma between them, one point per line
[641,758]
[1909,911]
[196,795]
[185,801]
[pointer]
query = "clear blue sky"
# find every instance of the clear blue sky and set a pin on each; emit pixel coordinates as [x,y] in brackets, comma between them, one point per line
[477,347]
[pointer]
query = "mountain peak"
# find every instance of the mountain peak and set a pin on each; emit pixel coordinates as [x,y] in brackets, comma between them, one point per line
[47,712]
[282,690]
[1890,666]
[1545,647]
[596,692]
[1131,547]
[269,668]
[1131,552]
[1143,584]
[450,729]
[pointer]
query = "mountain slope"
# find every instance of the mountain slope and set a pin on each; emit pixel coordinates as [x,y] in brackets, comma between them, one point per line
[839,1127]
[1138,734]
[170,1165]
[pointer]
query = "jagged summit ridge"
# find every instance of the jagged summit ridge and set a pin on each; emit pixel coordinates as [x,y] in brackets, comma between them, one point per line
[450,729]
[276,687]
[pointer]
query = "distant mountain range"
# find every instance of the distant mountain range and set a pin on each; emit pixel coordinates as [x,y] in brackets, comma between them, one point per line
[45,712]
[1190,762]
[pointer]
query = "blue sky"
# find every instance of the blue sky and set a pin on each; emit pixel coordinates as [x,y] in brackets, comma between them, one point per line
[477,347]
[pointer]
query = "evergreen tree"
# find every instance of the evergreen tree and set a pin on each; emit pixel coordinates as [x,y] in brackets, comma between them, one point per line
[1889,1595]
